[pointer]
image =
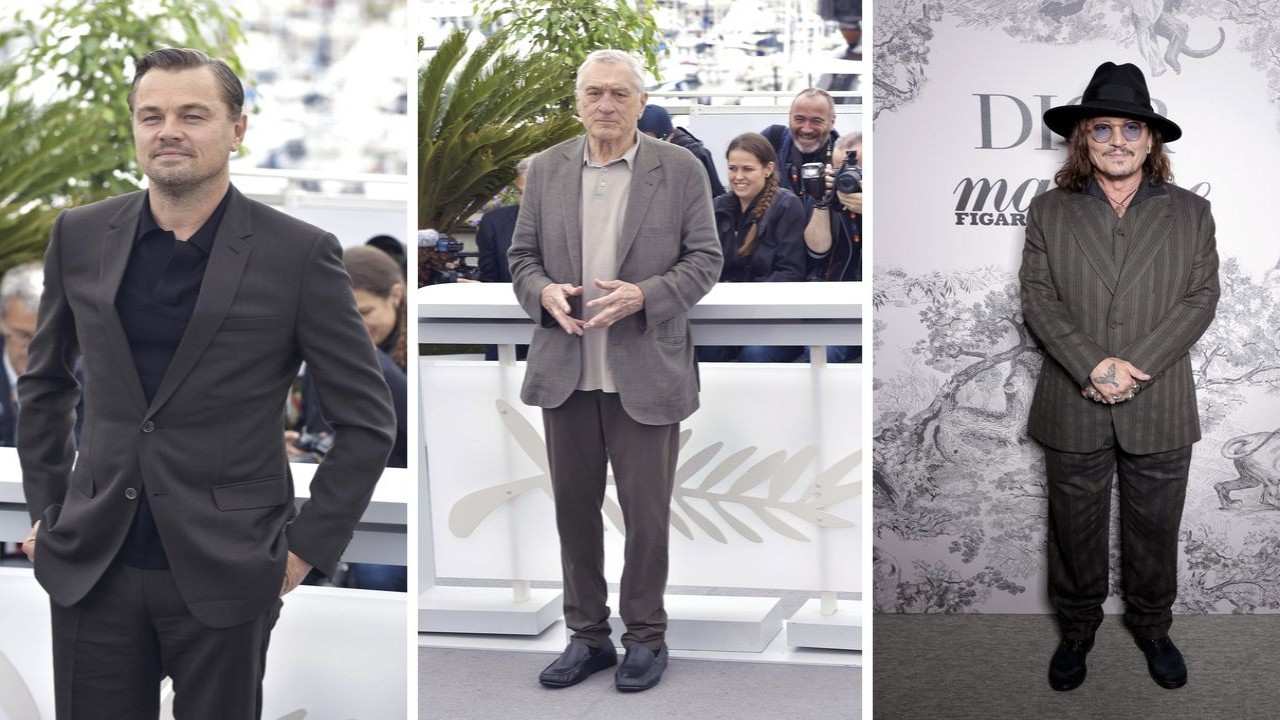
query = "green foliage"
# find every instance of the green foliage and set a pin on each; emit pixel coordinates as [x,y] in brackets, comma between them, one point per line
[63,112]
[572,29]
[89,49]
[39,161]
[477,118]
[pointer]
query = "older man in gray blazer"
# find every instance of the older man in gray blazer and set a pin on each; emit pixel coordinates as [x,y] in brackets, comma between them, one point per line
[614,243]
[1119,279]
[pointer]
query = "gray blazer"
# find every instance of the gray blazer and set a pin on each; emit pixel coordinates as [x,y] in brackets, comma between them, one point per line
[668,247]
[1083,308]
[208,449]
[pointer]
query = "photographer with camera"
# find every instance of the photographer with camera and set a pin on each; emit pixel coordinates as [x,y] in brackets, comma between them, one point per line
[808,140]
[760,225]
[441,260]
[833,236]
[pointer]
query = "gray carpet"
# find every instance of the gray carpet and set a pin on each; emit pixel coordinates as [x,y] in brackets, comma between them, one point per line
[988,667]
[488,685]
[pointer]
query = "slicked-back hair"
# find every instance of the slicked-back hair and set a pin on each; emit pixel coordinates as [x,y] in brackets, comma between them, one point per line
[1075,173]
[613,57]
[175,59]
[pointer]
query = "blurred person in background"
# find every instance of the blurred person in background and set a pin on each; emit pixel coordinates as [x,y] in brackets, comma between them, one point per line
[761,230]
[810,137]
[493,238]
[656,122]
[19,300]
[394,250]
[833,238]
[380,298]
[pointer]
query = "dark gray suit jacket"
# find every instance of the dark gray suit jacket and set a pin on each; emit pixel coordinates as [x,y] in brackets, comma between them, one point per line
[209,447]
[1083,308]
[668,247]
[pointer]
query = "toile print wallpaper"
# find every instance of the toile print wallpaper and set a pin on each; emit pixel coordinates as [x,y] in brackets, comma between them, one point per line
[960,510]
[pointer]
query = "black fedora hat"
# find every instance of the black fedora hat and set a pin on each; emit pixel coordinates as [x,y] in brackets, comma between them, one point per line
[1115,90]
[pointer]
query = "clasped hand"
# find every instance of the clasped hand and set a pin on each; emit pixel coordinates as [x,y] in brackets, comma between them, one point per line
[624,299]
[1113,381]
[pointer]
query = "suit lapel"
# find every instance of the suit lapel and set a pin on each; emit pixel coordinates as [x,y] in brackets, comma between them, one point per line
[227,260]
[644,185]
[570,175]
[1150,231]
[117,246]
[1094,238]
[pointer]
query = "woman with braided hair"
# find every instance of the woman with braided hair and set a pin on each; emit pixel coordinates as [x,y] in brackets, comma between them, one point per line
[761,226]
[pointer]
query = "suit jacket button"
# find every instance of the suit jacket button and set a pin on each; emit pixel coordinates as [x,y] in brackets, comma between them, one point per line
[148,426]
[131,493]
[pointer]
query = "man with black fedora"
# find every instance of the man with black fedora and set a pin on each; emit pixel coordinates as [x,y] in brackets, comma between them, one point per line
[1119,278]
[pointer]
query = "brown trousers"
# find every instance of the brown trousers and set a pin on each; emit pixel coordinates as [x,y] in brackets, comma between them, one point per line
[589,430]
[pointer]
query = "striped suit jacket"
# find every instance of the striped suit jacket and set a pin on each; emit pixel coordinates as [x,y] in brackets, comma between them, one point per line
[1083,308]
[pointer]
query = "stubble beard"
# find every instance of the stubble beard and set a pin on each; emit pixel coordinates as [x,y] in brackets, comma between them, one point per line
[180,182]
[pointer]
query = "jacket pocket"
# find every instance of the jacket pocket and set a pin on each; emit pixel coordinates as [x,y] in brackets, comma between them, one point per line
[673,331]
[266,492]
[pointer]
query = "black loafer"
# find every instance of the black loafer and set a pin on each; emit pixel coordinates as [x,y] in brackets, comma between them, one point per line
[576,663]
[1164,662]
[1067,668]
[641,669]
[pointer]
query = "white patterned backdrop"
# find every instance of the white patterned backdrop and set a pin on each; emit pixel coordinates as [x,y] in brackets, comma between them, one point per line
[960,151]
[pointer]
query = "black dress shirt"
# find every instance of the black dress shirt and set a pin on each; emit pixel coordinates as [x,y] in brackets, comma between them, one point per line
[156,299]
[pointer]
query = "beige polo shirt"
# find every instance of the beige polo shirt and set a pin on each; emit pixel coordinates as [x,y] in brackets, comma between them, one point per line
[604,205]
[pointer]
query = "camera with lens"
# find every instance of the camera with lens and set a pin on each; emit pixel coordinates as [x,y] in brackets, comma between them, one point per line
[849,176]
[441,259]
[814,181]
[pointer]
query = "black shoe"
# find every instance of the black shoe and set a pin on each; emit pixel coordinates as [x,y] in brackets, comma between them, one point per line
[576,663]
[641,669]
[1164,662]
[1067,668]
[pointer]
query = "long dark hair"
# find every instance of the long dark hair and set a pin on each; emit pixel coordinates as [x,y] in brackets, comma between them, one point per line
[374,272]
[1075,173]
[762,149]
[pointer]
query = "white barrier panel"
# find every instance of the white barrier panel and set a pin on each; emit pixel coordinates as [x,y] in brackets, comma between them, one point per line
[768,481]
[334,654]
[380,537]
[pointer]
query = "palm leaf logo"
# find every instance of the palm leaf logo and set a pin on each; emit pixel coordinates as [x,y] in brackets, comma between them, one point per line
[780,471]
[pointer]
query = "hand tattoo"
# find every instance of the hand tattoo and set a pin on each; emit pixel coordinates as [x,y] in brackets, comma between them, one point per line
[1109,378]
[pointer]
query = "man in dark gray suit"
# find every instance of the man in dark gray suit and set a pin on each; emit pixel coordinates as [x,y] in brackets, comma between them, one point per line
[167,540]
[1119,279]
[614,243]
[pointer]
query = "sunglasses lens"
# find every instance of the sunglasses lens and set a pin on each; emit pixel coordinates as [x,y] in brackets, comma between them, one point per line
[1130,131]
